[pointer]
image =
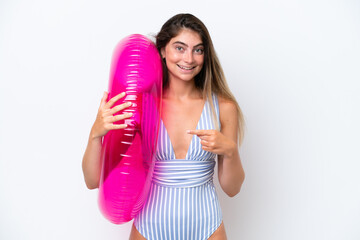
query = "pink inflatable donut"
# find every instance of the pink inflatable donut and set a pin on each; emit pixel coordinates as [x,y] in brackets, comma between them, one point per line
[128,154]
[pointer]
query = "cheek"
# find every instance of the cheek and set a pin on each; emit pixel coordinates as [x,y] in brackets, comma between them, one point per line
[200,59]
[171,62]
[173,56]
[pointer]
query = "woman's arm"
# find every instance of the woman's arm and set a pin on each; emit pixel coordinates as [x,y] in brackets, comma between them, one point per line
[91,163]
[224,144]
[230,171]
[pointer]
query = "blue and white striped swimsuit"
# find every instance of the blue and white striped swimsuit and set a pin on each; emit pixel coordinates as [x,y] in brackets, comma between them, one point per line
[182,202]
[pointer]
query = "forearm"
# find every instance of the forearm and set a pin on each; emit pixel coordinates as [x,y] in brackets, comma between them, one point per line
[91,163]
[231,173]
[104,122]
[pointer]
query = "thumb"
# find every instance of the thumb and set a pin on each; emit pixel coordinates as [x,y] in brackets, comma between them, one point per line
[103,100]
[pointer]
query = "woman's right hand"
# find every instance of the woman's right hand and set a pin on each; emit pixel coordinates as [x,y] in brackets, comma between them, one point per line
[105,117]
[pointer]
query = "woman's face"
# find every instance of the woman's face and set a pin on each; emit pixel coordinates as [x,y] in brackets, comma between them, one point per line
[184,55]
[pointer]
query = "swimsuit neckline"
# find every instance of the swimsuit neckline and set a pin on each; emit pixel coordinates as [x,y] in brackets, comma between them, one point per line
[192,139]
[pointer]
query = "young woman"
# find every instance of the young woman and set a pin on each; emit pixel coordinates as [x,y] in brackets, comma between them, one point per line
[200,120]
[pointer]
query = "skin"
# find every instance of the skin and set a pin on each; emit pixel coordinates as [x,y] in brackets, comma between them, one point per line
[182,106]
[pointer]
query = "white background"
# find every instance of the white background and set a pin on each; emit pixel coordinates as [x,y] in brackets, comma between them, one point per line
[292,65]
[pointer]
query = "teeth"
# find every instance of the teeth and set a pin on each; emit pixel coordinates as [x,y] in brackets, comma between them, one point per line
[185,68]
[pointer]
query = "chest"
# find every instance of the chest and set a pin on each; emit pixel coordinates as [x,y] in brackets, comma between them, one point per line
[178,118]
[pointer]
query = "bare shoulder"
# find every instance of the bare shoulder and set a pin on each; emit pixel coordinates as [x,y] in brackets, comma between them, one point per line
[228,112]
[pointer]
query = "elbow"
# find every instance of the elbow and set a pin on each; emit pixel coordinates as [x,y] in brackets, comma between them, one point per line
[236,189]
[91,178]
[91,181]
[233,192]
[91,185]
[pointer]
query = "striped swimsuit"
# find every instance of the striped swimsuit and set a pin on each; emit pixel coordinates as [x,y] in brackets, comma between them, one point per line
[182,202]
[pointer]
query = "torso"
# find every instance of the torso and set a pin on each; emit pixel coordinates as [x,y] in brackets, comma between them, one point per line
[182,189]
[178,117]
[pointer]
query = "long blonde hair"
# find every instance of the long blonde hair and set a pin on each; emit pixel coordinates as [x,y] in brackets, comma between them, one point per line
[211,78]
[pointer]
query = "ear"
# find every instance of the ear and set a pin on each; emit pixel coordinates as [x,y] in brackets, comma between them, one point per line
[162,51]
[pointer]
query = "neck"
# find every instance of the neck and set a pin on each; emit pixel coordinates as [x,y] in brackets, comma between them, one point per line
[181,89]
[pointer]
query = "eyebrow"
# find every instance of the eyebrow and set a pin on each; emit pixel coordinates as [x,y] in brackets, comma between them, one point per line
[179,42]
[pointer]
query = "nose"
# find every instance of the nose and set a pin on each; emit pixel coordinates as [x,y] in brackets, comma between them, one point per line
[188,57]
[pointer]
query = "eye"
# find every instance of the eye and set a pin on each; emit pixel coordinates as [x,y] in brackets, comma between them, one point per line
[179,48]
[199,50]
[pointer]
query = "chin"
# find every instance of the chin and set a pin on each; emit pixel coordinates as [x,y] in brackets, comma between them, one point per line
[184,78]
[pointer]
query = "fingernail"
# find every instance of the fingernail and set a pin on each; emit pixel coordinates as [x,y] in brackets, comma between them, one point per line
[129,104]
[187,131]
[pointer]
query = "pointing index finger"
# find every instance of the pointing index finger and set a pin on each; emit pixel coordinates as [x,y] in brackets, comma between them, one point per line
[198,132]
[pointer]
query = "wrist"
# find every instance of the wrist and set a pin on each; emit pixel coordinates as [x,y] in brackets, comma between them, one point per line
[94,137]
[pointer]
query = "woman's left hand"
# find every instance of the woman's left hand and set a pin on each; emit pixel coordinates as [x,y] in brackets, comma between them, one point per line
[215,142]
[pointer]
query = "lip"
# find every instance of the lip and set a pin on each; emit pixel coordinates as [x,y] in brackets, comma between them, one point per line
[186,68]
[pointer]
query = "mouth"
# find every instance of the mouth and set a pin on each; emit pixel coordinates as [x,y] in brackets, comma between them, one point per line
[185,68]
